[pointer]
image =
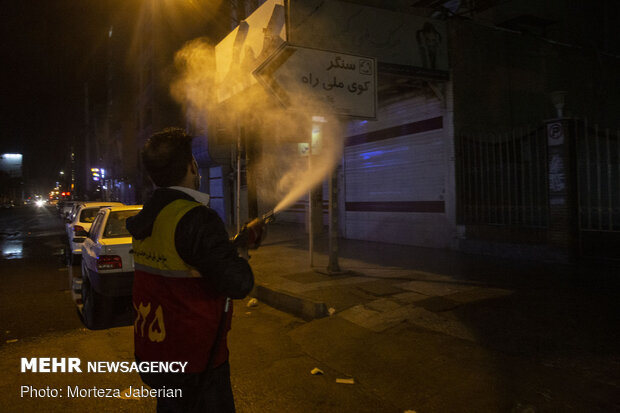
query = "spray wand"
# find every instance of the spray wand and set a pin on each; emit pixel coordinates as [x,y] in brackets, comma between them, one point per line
[254,232]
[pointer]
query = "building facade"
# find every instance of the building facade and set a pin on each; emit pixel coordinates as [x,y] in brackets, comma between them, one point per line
[495,128]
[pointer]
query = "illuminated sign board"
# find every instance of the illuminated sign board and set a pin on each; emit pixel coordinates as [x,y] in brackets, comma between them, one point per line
[11,164]
[97,173]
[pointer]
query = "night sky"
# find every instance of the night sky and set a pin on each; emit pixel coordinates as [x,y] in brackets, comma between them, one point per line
[49,49]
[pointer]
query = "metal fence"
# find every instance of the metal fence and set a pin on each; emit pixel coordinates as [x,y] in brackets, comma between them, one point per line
[598,177]
[502,178]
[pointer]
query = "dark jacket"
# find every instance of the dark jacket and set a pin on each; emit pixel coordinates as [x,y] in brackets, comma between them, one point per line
[201,241]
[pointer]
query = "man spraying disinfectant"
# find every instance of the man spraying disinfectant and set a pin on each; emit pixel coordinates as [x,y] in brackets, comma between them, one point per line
[186,272]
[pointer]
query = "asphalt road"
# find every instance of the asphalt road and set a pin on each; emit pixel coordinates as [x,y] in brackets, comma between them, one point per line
[31,272]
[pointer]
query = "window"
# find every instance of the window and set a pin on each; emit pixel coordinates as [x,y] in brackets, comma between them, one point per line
[88,215]
[94,230]
[115,227]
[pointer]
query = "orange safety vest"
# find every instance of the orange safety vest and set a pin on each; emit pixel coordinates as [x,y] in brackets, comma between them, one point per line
[177,310]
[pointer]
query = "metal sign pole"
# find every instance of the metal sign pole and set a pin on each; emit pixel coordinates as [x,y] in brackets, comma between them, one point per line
[310,211]
[333,267]
[238,203]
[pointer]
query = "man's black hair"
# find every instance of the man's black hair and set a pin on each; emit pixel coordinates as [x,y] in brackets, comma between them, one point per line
[166,156]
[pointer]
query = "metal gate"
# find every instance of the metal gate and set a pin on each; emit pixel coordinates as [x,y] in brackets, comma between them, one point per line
[502,178]
[598,183]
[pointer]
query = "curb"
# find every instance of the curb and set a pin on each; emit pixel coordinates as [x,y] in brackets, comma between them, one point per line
[303,308]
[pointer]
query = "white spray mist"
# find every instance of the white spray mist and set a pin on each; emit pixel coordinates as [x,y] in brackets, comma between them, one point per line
[283,176]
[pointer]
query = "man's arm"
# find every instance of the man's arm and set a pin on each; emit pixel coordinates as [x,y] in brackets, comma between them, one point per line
[202,242]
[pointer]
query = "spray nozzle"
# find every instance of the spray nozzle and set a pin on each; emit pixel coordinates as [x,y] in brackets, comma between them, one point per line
[269,217]
[253,233]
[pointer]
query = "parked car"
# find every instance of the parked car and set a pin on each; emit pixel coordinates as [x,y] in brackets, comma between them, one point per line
[74,209]
[65,208]
[78,225]
[107,269]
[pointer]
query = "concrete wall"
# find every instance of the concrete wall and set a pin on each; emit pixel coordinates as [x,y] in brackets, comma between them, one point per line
[502,79]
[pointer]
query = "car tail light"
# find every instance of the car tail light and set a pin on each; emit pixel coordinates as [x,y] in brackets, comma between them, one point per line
[109,262]
[79,231]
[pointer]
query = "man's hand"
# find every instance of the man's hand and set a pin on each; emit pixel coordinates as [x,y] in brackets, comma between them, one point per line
[251,235]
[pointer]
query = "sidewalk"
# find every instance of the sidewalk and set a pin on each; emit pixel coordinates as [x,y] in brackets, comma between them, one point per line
[553,331]
[408,274]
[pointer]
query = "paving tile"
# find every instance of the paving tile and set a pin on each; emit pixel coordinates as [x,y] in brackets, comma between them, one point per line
[379,288]
[383,304]
[438,304]
[478,294]
[375,320]
[440,323]
[431,288]
[409,297]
